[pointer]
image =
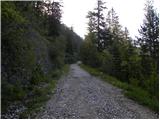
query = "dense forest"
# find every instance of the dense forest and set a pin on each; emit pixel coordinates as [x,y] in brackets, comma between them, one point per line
[36,47]
[109,48]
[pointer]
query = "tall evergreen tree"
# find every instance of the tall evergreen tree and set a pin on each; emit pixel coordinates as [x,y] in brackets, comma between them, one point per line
[149,33]
[113,25]
[97,23]
[149,45]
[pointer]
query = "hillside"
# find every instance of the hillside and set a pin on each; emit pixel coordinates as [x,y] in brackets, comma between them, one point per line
[35,47]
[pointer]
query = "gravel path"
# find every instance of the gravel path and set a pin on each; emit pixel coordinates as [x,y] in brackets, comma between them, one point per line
[80,95]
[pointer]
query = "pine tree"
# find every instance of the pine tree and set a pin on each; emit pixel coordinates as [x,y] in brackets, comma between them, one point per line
[149,45]
[54,17]
[149,33]
[113,25]
[97,23]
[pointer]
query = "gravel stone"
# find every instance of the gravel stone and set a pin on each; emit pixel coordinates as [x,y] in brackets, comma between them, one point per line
[80,95]
[13,111]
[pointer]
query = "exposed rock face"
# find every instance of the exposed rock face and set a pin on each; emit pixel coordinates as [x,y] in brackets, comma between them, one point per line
[22,74]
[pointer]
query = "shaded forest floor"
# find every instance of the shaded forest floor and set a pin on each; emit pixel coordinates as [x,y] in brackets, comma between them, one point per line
[81,95]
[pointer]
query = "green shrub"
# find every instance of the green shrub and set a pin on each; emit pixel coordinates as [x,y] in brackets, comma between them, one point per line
[134,82]
[89,54]
[152,84]
[10,13]
[18,92]
[10,93]
[132,90]
[37,76]
[143,97]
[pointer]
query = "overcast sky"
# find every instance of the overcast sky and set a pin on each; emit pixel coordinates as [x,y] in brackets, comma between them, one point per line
[130,12]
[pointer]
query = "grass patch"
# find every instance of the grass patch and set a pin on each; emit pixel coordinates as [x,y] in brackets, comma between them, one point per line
[133,92]
[105,77]
[42,92]
[143,98]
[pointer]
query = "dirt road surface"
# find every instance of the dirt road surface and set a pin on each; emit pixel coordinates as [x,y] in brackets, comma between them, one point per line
[80,95]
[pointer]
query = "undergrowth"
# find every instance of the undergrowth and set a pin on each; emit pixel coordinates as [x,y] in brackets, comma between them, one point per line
[136,93]
[42,92]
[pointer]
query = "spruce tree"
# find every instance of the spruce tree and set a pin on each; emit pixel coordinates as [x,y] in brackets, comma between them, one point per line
[149,46]
[97,24]
[149,33]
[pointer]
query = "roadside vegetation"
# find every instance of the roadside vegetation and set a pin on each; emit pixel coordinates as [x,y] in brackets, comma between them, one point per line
[136,93]
[108,50]
[43,93]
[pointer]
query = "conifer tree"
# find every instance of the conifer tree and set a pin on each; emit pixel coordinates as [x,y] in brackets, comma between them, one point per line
[149,33]
[149,45]
[97,24]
